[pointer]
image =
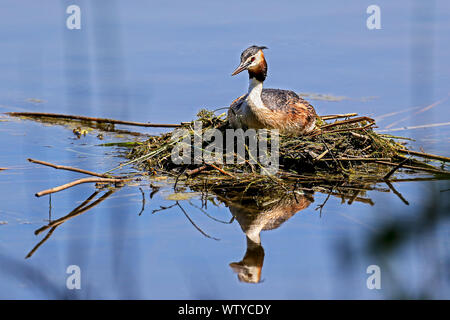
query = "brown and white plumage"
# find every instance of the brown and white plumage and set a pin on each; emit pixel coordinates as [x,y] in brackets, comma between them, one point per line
[268,108]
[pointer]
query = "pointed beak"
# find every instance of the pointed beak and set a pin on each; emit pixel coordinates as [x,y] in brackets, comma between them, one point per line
[240,68]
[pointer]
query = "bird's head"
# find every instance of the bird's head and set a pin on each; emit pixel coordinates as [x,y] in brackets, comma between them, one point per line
[252,59]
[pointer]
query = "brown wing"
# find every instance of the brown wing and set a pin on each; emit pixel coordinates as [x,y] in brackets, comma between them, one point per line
[285,111]
[282,100]
[291,114]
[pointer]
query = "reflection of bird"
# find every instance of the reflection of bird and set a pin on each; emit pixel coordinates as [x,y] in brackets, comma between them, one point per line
[253,219]
[268,108]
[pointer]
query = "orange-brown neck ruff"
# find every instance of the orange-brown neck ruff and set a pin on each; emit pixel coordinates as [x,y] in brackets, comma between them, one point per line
[259,72]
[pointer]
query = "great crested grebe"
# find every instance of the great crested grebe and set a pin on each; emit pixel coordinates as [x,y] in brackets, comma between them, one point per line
[268,108]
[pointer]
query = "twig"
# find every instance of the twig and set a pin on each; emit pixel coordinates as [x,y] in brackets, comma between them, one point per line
[195,171]
[323,154]
[384,135]
[338,123]
[77,182]
[81,210]
[320,206]
[337,116]
[143,202]
[209,216]
[77,211]
[359,199]
[398,194]
[192,222]
[332,156]
[221,170]
[91,119]
[424,155]
[357,159]
[40,243]
[354,196]
[359,136]
[344,130]
[56,222]
[155,189]
[50,208]
[162,208]
[419,179]
[414,167]
[70,168]
[390,173]
[178,177]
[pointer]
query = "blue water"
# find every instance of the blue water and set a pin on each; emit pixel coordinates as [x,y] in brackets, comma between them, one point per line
[156,62]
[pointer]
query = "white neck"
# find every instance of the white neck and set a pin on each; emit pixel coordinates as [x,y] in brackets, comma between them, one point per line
[254,93]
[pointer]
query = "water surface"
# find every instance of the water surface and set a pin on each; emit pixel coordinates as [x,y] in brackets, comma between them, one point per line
[162,63]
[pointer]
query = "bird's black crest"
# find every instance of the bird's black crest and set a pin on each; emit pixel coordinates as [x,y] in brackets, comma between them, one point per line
[251,51]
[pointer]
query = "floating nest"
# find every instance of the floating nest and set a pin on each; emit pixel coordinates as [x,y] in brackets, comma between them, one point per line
[343,158]
[344,148]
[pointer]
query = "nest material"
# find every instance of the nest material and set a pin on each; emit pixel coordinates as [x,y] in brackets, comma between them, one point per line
[343,147]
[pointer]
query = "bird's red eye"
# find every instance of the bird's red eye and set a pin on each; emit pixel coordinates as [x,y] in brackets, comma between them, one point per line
[252,59]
